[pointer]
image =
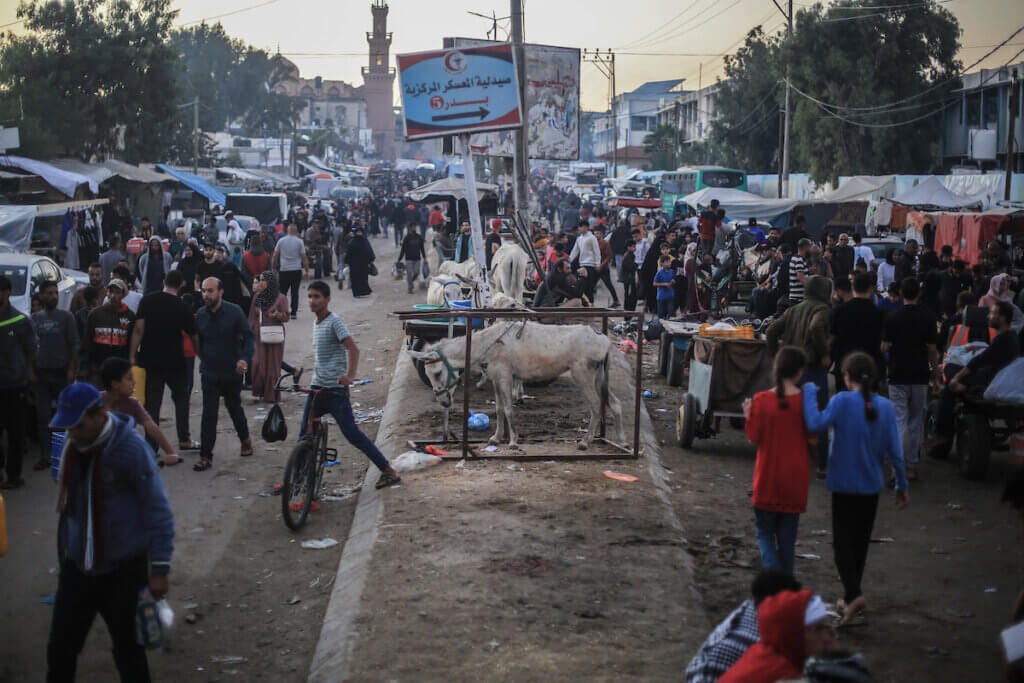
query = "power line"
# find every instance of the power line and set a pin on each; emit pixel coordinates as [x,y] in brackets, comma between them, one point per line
[689,29]
[666,24]
[228,14]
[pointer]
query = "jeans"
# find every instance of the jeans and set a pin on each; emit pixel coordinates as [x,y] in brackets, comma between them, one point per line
[335,402]
[290,281]
[776,537]
[665,307]
[629,294]
[819,376]
[190,374]
[589,284]
[12,420]
[606,277]
[156,379]
[213,389]
[412,271]
[853,518]
[398,234]
[49,383]
[79,598]
[910,401]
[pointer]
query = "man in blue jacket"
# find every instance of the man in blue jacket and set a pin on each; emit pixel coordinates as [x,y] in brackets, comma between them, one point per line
[116,533]
[226,347]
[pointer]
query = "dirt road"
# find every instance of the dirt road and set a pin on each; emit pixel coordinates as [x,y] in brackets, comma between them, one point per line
[255,598]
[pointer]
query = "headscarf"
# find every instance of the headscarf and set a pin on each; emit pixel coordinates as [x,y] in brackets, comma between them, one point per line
[691,252]
[996,284]
[268,296]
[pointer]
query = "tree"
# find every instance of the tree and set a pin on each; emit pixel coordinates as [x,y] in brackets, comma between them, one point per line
[881,71]
[745,132]
[92,77]
[888,72]
[662,147]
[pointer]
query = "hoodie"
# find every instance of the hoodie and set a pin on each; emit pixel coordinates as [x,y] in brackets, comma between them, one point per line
[806,325]
[125,501]
[780,654]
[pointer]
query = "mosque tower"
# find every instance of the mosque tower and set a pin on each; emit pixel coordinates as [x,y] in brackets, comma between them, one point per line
[379,82]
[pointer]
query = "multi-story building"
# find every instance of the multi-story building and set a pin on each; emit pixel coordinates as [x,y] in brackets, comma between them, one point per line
[975,126]
[635,115]
[379,84]
[691,113]
[328,104]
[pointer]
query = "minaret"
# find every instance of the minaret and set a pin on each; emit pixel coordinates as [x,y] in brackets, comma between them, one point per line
[379,82]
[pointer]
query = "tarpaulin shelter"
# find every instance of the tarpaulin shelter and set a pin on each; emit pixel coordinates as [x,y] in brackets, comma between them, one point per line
[195,183]
[861,188]
[968,233]
[740,205]
[930,192]
[448,188]
[69,183]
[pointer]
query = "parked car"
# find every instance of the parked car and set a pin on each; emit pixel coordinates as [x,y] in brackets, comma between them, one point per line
[27,271]
[880,246]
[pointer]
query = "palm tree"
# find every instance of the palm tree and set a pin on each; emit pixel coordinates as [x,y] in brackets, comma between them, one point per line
[662,147]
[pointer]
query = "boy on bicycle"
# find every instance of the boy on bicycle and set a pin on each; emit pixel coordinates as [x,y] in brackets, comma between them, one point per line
[337,358]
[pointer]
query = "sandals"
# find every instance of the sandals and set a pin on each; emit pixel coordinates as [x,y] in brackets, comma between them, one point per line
[188,445]
[246,451]
[202,465]
[171,461]
[389,478]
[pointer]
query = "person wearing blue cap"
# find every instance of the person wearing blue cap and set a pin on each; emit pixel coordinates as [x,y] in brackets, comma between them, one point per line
[116,533]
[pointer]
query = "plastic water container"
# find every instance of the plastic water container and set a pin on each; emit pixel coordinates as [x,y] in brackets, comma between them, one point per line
[56,451]
[467,303]
[432,307]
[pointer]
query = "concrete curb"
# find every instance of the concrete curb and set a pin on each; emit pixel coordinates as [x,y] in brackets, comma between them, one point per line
[337,636]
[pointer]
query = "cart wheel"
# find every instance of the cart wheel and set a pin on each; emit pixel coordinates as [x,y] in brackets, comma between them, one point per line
[663,347]
[973,445]
[421,369]
[674,372]
[686,421]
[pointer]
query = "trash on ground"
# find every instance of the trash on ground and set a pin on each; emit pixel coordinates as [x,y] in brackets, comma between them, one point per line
[954,506]
[460,465]
[620,476]
[649,394]
[369,416]
[808,556]
[490,449]
[414,460]
[478,421]
[228,659]
[165,614]
[319,543]
[884,539]
[434,450]
[361,382]
[990,590]
[332,463]
[294,600]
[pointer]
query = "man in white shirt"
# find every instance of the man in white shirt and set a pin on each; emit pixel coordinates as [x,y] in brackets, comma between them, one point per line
[862,252]
[589,253]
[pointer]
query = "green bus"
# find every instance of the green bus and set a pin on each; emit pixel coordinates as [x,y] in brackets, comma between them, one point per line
[683,181]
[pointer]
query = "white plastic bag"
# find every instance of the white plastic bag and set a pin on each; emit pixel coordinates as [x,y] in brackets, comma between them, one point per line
[414,460]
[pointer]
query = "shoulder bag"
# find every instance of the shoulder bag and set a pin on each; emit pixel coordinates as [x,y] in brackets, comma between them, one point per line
[271,334]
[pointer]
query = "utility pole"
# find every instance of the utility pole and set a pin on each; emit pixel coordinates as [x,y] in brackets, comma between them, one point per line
[521,162]
[1011,126]
[195,135]
[784,185]
[605,62]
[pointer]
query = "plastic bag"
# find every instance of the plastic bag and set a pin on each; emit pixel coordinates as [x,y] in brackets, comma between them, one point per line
[426,269]
[414,460]
[275,427]
[479,421]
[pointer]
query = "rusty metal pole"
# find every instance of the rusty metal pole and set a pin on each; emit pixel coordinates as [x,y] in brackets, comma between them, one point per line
[466,384]
[604,387]
[638,393]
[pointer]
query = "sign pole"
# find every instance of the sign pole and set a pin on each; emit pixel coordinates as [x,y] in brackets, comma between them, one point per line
[469,171]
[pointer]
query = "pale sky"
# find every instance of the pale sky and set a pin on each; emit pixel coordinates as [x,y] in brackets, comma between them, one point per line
[328,37]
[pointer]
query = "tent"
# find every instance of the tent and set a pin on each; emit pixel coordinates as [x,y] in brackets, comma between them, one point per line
[861,188]
[448,188]
[16,227]
[195,183]
[740,205]
[931,192]
[67,182]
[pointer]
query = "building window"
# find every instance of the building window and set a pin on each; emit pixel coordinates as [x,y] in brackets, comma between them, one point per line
[990,107]
[380,60]
[974,110]
[642,123]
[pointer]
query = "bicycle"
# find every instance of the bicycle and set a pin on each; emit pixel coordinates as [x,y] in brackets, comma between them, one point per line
[304,472]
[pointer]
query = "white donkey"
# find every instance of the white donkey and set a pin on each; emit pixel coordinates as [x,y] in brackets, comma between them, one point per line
[508,270]
[528,352]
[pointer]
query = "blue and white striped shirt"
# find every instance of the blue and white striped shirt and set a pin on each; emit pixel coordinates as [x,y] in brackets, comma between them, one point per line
[331,357]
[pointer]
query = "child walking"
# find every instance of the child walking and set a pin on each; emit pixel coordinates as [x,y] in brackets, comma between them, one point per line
[782,472]
[865,438]
[663,283]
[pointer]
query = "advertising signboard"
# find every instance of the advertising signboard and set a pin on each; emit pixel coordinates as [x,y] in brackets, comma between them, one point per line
[551,103]
[447,92]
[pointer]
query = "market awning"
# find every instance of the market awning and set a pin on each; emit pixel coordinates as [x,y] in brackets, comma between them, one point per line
[135,174]
[66,182]
[94,171]
[740,205]
[931,192]
[860,188]
[448,187]
[195,183]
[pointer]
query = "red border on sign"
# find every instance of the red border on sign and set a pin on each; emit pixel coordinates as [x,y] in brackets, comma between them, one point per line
[501,51]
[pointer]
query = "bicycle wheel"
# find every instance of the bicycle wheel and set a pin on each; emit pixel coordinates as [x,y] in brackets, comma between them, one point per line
[299,484]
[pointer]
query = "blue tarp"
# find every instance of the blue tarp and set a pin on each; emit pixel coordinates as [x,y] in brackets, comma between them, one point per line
[195,183]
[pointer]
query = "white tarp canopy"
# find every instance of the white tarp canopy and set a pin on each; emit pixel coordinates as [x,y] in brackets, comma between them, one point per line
[66,182]
[740,205]
[861,188]
[931,192]
[449,187]
[16,227]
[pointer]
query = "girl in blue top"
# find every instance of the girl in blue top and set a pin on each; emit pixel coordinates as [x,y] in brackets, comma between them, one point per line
[865,438]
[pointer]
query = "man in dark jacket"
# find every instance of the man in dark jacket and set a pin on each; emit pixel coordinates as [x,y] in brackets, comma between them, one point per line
[226,347]
[116,534]
[806,325]
[107,332]
[17,358]
[627,276]
[413,251]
